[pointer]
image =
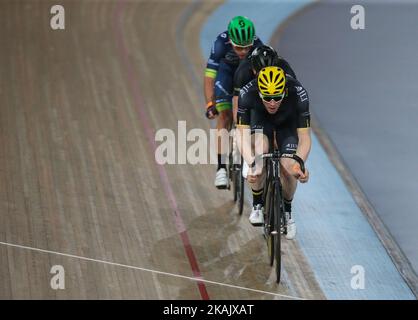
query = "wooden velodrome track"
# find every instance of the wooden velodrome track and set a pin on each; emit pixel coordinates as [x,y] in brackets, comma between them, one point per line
[79,186]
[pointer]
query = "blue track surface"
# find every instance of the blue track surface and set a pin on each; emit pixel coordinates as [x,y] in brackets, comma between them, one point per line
[332,231]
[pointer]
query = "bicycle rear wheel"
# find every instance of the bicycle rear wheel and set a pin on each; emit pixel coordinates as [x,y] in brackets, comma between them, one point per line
[240,184]
[278,213]
[231,170]
[235,183]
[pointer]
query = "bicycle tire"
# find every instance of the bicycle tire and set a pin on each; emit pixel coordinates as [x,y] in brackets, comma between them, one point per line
[270,224]
[278,212]
[241,181]
[235,185]
[230,171]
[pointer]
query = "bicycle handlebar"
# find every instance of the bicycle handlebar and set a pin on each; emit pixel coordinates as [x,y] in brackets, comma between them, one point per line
[276,155]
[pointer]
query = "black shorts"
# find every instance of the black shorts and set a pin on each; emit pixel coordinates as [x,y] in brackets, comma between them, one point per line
[286,136]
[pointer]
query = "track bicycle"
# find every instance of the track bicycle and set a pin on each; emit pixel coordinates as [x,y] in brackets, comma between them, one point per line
[274,216]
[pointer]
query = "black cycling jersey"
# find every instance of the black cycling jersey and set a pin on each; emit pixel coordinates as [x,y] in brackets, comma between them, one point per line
[293,111]
[244,73]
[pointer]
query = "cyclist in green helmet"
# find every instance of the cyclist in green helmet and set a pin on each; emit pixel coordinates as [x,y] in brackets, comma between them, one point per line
[230,47]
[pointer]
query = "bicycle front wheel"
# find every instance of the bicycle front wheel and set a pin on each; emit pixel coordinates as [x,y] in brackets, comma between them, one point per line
[278,213]
[269,225]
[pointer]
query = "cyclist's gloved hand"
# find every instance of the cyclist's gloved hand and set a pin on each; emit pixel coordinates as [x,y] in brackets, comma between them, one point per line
[297,172]
[211,111]
[255,169]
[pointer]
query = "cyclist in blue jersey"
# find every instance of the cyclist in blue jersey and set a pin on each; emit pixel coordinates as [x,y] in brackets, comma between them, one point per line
[229,48]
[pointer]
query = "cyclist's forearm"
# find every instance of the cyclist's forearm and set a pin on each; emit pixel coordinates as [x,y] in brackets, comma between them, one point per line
[304,145]
[209,89]
[244,143]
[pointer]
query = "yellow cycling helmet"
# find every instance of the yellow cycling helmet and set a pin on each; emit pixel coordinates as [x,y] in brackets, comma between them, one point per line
[271,81]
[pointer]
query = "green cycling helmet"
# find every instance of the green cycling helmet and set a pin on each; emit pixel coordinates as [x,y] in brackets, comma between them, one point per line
[241,31]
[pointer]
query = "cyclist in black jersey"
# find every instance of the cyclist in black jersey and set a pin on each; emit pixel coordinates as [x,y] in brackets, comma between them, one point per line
[258,58]
[279,106]
[229,48]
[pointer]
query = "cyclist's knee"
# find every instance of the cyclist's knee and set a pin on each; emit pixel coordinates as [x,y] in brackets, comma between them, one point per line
[256,182]
[265,144]
[286,169]
[225,118]
[260,143]
[226,115]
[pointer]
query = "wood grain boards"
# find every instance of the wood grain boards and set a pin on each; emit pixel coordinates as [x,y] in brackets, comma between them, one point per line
[78,175]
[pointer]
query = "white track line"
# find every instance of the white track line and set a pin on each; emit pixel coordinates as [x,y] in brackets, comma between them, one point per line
[149,270]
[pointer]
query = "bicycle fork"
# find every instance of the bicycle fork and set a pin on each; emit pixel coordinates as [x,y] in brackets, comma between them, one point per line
[280,223]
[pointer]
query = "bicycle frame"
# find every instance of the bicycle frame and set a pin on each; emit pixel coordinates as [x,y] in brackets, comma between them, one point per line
[273,179]
[275,219]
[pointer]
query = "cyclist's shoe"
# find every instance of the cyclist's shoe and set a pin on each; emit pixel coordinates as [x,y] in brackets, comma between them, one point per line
[291,227]
[257,216]
[221,179]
